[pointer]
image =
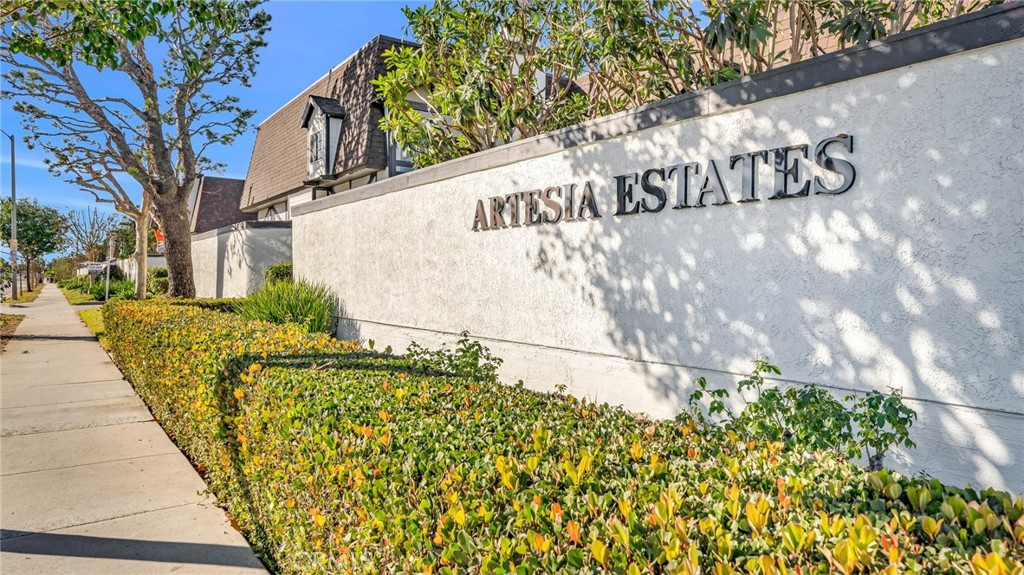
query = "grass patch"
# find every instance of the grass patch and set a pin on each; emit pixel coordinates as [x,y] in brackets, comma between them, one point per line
[76,297]
[93,319]
[25,296]
[8,324]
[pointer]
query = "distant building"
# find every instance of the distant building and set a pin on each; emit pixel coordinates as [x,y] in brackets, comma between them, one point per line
[326,139]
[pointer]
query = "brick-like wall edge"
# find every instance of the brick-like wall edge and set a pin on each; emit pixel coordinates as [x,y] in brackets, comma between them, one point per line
[993,25]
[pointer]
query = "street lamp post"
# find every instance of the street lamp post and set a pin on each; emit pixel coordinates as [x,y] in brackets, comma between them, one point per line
[14,225]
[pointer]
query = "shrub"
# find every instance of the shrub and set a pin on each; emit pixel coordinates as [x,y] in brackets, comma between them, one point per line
[78,283]
[224,304]
[469,359]
[119,290]
[279,272]
[158,286]
[175,353]
[808,417]
[310,305]
[367,463]
[157,280]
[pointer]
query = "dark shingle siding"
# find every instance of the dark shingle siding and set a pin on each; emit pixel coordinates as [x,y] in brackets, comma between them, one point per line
[217,204]
[280,155]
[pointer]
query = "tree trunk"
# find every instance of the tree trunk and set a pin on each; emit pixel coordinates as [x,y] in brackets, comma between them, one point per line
[142,247]
[174,224]
[141,250]
[28,274]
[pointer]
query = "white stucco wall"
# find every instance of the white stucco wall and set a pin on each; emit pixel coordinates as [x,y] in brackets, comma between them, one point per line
[913,279]
[128,267]
[230,262]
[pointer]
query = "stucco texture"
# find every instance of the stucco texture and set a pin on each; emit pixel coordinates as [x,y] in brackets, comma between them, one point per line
[231,263]
[913,279]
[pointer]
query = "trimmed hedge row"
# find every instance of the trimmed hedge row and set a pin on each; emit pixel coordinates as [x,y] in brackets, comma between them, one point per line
[363,463]
[177,354]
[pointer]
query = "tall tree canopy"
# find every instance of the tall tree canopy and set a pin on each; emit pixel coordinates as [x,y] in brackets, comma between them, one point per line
[479,72]
[42,230]
[127,95]
[487,71]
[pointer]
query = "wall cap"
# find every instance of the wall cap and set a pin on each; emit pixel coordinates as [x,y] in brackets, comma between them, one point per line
[248,225]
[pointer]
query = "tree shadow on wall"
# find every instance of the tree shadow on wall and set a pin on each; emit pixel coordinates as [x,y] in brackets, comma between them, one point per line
[910,280]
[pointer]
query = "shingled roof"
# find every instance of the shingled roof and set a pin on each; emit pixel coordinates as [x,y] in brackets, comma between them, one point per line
[326,106]
[279,158]
[217,204]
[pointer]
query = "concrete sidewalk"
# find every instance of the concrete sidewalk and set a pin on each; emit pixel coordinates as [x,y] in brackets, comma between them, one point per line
[89,483]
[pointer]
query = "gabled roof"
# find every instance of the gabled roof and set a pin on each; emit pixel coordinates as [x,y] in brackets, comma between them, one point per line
[325,106]
[217,202]
[280,156]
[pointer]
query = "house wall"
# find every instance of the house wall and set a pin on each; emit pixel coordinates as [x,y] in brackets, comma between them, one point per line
[230,261]
[911,279]
[128,267]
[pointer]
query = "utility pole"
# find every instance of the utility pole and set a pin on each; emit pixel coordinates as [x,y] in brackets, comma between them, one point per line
[14,226]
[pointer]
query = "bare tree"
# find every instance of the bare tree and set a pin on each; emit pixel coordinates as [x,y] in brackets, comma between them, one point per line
[89,229]
[112,120]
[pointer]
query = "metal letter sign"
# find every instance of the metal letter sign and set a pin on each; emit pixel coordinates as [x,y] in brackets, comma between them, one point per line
[695,185]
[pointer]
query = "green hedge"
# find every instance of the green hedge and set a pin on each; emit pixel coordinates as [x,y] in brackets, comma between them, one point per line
[358,462]
[176,353]
[225,304]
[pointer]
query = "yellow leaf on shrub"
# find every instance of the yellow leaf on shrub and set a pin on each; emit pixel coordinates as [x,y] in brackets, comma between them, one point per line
[459,515]
[319,518]
[539,542]
[239,393]
[600,551]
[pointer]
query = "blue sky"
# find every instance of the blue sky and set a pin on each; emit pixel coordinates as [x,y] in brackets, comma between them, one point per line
[305,41]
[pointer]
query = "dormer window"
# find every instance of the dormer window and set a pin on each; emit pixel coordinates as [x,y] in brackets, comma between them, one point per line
[316,146]
[322,120]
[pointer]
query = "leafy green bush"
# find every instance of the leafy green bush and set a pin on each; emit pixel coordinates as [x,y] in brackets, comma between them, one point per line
[78,283]
[119,290]
[367,463]
[157,280]
[279,272]
[808,417]
[389,470]
[310,305]
[158,286]
[469,359]
[176,352]
[224,304]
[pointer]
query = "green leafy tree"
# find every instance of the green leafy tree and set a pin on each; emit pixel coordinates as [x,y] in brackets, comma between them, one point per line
[67,65]
[487,72]
[41,230]
[63,268]
[477,68]
[6,277]
[125,238]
